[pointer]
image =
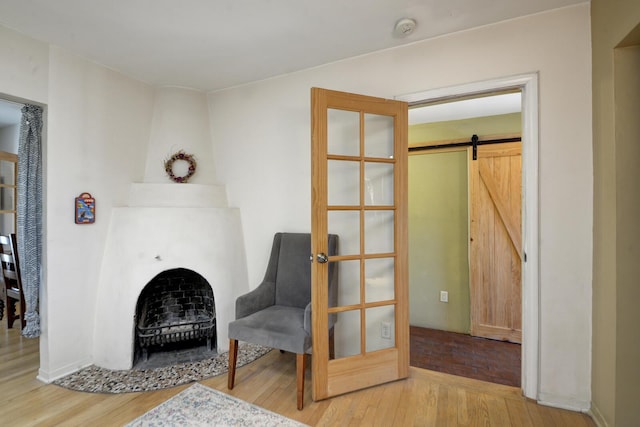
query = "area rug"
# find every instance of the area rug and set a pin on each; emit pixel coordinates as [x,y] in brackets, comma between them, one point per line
[203,406]
[94,379]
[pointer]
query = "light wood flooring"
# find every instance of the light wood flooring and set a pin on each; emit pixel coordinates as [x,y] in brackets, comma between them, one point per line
[427,398]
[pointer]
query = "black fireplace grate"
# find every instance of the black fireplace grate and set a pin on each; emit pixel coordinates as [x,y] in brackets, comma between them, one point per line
[174,307]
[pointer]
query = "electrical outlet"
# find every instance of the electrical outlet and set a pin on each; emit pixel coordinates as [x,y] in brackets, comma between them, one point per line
[385,330]
[444,296]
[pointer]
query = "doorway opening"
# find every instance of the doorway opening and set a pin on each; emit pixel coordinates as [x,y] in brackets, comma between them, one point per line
[440,294]
[13,120]
[12,301]
[464,270]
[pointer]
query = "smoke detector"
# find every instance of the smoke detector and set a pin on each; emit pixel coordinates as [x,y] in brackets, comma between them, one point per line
[404,27]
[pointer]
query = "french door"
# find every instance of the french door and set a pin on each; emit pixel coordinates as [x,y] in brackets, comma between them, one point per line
[359,192]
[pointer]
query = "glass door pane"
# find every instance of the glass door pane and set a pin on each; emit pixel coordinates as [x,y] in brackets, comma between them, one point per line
[378,131]
[343,132]
[347,334]
[379,279]
[343,183]
[378,179]
[380,328]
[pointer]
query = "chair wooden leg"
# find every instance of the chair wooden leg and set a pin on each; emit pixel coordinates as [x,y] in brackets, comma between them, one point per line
[23,310]
[332,345]
[301,361]
[233,356]
[11,312]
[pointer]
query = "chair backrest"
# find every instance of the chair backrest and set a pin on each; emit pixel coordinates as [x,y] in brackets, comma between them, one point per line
[293,268]
[293,272]
[9,262]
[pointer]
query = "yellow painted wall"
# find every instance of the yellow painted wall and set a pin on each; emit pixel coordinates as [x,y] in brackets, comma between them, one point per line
[627,94]
[616,132]
[438,234]
[458,129]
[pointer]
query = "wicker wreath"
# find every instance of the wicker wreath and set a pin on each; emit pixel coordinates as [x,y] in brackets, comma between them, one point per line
[180,155]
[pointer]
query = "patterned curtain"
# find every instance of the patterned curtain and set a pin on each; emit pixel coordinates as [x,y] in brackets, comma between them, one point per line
[29,215]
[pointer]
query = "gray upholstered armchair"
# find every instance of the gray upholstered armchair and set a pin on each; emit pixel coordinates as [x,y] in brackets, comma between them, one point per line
[277,313]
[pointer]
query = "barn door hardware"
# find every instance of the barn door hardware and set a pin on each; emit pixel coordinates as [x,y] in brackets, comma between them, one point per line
[474,143]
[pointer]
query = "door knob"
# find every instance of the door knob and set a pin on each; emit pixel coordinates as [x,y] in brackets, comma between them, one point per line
[322,258]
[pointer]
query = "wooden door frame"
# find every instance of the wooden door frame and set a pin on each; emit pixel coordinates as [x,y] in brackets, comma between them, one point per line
[528,85]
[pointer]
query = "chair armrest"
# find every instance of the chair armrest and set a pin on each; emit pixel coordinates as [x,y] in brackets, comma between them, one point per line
[258,299]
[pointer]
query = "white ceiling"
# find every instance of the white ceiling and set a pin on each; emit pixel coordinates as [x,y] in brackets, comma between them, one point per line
[215,44]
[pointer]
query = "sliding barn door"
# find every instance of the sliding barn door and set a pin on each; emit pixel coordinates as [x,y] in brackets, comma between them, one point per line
[359,192]
[496,242]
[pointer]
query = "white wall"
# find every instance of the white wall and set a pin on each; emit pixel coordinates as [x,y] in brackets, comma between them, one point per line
[261,138]
[25,66]
[98,128]
[180,122]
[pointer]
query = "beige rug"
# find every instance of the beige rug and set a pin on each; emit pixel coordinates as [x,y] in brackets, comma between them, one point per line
[203,406]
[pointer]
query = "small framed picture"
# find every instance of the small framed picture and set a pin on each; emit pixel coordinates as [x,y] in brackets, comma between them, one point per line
[85,209]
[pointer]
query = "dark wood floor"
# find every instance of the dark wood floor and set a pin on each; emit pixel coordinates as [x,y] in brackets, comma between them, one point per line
[466,356]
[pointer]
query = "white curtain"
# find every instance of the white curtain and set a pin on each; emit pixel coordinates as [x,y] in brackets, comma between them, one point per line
[29,215]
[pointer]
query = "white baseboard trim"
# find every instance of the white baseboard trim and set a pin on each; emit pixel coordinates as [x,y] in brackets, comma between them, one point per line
[49,377]
[597,417]
[562,402]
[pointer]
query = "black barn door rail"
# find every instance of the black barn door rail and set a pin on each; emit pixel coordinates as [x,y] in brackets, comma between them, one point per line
[473,143]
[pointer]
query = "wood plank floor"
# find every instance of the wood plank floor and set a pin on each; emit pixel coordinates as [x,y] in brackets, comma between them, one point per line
[466,356]
[426,398]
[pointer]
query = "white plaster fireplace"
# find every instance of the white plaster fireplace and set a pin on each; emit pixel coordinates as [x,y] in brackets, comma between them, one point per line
[168,225]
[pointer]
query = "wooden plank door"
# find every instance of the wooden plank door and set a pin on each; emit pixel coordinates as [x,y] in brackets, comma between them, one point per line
[496,242]
[359,192]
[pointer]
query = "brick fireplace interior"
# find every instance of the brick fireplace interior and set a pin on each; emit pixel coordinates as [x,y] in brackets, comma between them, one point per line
[175,320]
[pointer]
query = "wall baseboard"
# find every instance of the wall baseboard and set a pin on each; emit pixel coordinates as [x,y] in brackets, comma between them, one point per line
[49,377]
[563,402]
[597,417]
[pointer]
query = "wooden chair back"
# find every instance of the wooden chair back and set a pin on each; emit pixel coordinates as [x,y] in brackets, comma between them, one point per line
[11,276]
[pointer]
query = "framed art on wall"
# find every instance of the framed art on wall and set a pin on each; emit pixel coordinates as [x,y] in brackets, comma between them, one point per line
[85,209]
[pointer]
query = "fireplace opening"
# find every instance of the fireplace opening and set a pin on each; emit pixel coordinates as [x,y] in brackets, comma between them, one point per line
[175,320]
